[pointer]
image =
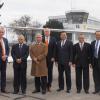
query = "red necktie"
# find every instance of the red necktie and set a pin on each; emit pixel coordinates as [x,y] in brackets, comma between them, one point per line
[46,41]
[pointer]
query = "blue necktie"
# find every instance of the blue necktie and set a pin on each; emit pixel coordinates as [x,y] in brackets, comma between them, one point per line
[96,49]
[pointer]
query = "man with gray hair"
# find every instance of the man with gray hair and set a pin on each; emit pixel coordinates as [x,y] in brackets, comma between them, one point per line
[82,61]
[4,52]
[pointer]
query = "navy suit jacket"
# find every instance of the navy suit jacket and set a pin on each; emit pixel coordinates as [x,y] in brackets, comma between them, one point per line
[93,50]
[6,48]
[15,52]
[82,57]
[51,48]
[65,54]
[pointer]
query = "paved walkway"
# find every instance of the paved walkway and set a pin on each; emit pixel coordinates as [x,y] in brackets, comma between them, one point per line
[49,96]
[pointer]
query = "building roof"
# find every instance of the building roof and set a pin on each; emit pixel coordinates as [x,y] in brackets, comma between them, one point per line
[64,16]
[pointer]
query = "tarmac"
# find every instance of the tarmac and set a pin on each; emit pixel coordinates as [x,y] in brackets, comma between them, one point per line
[53,95]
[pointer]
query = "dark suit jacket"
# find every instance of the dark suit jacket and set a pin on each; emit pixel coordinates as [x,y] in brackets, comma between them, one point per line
[92,53]
[65,54]
[51,48]
[6,48]
[82,57]
[16,53]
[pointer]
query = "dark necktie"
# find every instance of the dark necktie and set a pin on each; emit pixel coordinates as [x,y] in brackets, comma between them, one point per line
[81,46]
[20,49]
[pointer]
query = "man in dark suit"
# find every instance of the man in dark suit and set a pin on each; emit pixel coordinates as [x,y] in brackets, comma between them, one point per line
[19,54]
[82,61]
[4,52]
[95,47]
[64,59]
[51,43]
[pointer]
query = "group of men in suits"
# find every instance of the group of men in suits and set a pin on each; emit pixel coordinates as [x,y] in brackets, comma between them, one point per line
[81,55]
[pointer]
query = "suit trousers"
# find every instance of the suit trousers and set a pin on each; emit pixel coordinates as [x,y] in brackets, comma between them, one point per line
[3,66]
[96,75]
[82,71]
[50,73]
[41,82]
[20,77]
[67,70]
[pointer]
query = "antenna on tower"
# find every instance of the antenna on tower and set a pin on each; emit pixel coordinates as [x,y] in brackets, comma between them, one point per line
[71,3]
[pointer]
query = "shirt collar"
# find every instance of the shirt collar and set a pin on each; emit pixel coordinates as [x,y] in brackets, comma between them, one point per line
[81,43]
[20,44]
[63,40]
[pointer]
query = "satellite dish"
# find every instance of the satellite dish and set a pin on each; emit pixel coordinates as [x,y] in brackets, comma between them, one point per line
[1,5]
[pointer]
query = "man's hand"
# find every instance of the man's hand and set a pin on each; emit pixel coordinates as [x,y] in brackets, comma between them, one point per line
[37,62]
[56,64]
[70,63]
[4,58]
[74,65]
[35,59]
[18,61]
[90,65]
[52,59]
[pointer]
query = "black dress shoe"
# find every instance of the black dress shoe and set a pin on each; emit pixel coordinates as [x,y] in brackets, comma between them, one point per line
[36,91]
[59,90]
[78,91]
[23,92]
[95,92]
[68,91]
[3,91]
[49,89]
[86,91]
[43,92]
[15,92]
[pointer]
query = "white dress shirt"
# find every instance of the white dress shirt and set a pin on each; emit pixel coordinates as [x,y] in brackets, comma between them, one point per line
[98,46]
[63,42]
[81,45]
[47,38]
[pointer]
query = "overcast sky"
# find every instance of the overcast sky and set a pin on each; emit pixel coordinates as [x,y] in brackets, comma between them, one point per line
[39,10]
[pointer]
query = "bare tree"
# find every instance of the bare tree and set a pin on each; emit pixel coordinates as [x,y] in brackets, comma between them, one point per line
[24,21]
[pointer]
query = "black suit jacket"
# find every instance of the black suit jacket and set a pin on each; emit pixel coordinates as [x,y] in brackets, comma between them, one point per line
[51,48]
[16,53]
[82,57]
[93,50]
[6,48]
[65,54]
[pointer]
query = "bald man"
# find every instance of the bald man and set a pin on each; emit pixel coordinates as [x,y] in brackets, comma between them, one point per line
[4,52]
[82,61]
[20,52]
